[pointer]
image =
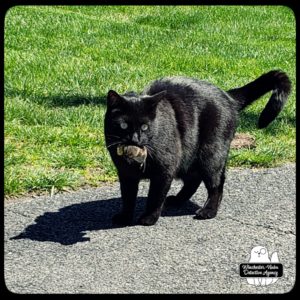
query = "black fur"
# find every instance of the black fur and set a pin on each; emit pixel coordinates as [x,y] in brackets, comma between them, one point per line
[191,124]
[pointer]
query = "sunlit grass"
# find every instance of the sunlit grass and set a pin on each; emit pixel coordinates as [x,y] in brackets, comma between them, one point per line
[60,61]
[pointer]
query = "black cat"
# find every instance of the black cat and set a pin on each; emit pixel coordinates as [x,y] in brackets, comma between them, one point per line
[187,126]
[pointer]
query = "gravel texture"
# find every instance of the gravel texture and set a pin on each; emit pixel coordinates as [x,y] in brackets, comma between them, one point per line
[67,244]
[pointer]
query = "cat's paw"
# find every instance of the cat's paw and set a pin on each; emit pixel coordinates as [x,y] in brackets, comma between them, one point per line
[205,213]
[173,201]
[148,220]
[122,219]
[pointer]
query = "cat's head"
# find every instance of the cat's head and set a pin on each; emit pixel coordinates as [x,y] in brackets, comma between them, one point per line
[131,118]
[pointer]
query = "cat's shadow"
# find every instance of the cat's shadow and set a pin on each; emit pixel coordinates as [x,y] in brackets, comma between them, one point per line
[70,224]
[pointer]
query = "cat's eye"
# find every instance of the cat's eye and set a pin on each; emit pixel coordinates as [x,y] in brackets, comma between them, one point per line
[124,125]
[144,127]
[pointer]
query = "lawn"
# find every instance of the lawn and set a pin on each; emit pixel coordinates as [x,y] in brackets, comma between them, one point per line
[60,61]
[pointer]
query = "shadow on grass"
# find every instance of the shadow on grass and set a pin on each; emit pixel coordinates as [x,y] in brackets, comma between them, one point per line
[58,100]
[73,100]
[69,225]
[249,121]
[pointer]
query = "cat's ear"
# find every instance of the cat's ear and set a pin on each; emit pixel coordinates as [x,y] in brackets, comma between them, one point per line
[153,100]
[113,99]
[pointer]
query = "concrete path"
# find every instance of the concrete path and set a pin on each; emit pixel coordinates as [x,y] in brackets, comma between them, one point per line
[67,244]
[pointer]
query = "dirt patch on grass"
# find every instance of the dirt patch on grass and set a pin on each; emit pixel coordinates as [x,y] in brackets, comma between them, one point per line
[243,140]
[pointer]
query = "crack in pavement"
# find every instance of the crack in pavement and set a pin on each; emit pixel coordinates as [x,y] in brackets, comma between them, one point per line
[260,225]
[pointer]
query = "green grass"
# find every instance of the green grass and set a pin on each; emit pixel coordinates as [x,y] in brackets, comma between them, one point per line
[60,61]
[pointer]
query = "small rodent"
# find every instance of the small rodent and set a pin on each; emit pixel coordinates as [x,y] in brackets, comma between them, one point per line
[134,152]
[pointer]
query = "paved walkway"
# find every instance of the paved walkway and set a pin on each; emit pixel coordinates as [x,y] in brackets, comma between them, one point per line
[66,244]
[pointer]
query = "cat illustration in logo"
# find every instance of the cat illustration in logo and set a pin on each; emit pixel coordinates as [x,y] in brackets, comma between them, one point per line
[260,254]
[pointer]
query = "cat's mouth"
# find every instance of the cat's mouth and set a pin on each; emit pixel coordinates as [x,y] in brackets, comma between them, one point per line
[134,144]
[132,151]
[133,154]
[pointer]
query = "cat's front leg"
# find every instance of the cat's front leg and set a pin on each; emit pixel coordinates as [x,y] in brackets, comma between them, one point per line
[129,190]
[158,191]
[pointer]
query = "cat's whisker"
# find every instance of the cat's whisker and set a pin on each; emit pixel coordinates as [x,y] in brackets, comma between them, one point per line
[149,147]
[114,136]
[113,144]
[150,150]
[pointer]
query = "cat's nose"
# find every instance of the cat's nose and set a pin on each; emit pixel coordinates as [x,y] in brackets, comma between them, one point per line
[135,138]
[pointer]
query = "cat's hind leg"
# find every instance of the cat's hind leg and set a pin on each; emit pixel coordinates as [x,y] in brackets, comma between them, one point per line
[214,182]
[191,183]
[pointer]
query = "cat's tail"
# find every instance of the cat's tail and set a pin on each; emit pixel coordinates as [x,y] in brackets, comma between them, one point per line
[276,81]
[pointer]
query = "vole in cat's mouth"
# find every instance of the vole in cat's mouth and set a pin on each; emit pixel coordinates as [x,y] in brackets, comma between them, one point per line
[138,154]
